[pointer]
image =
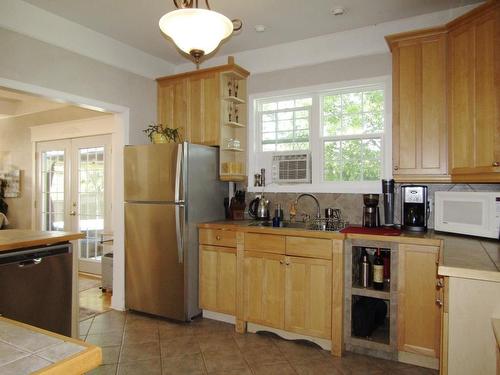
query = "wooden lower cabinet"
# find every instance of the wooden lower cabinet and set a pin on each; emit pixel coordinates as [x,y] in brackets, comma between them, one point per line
[419,314]
[264,288]
[218,279]
[308,296]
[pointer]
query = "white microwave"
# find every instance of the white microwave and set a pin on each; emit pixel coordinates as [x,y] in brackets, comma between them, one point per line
[473,213]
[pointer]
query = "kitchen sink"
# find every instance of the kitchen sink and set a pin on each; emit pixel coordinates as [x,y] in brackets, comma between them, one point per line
[319,225]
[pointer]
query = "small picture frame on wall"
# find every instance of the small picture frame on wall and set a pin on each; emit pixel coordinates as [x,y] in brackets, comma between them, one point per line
[13,179]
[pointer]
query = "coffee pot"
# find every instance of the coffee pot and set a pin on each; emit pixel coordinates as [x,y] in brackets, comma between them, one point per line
[259,208]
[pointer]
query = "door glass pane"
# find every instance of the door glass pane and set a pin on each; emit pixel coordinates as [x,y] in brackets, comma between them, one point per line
[52,190]
[91,201]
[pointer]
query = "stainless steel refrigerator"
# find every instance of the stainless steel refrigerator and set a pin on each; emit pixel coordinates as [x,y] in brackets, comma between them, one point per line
[169,189]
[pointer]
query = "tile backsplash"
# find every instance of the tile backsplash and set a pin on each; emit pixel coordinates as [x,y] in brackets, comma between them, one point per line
[352,204]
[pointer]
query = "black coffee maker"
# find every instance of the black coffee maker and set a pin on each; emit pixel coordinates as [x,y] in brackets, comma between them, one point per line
[414,208]
[371,213]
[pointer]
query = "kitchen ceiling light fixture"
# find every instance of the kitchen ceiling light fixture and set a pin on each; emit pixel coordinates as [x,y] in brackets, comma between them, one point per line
[197,31]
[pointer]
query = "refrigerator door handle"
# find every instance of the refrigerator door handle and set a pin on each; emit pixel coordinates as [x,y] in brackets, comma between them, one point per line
[178,174]
[179,233]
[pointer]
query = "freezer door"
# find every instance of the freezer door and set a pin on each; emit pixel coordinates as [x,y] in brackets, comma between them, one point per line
[154,275]
[150,172]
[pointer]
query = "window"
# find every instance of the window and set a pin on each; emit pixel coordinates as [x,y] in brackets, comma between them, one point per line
[352,126]
[342,126]
[285,124]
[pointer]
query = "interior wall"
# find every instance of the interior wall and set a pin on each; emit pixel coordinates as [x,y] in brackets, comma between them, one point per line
[15,153]
[332,71]
[41,64]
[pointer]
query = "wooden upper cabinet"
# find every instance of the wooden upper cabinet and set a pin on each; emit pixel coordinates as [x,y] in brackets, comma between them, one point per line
[474,95]
[203,109]
[172,103]
[419,315]
[419,125]
[210,106]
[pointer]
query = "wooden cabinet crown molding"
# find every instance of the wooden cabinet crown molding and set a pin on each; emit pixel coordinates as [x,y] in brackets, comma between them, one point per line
[230,66]
[472,15]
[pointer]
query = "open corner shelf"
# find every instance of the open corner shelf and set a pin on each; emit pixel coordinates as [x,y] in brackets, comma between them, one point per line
[233,149]
[234,99]
[232,177]
[233,124]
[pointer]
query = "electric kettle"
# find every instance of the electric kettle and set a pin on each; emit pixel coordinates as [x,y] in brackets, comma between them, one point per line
[259,208]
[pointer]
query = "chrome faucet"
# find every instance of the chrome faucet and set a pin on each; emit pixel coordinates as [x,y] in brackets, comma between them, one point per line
[318,213]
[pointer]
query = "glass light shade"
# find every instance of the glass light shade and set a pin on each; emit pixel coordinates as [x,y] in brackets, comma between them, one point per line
[196,29]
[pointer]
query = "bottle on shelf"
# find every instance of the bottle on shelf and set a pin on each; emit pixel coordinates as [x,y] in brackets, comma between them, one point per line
[378,271]
[387,267]
[365,270]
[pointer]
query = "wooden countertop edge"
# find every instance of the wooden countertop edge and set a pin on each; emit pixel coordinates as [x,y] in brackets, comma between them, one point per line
[495,322]
[467,273]
[31,242]
[78,363]
[318,234]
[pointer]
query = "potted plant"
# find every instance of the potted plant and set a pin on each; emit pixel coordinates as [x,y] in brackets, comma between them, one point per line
[158,133]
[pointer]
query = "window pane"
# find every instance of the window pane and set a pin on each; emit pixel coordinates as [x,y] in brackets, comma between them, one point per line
[353,113]
[352,160]
[351,157]
[373,122]
[304,102]
[269,106]
[373,101]
[332,167]
[286,104]
[283,128]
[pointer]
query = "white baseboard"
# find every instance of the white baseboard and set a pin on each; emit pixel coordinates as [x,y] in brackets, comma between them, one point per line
[219,316]
[323,343]
[418,360]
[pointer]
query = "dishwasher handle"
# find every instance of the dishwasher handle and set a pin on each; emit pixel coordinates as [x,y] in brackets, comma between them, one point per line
[30,263]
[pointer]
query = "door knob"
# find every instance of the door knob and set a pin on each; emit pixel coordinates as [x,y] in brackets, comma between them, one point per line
[217,238]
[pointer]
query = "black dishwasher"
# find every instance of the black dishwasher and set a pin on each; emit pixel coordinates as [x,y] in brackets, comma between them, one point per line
[36,286]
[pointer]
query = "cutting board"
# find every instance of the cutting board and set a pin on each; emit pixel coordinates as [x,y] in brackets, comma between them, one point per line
[378,231]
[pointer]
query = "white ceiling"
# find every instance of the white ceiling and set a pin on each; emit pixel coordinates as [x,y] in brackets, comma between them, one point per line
[136,22]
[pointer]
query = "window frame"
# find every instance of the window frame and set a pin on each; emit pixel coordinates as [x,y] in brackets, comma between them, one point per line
[257,159]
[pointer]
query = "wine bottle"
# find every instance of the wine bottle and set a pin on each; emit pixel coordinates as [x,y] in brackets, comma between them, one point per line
[378,271]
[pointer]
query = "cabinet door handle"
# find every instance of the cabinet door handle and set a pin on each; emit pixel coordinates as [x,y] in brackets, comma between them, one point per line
[439,283]
[496,164]
[282,261]
[396,167]
[439,302]
[217,238]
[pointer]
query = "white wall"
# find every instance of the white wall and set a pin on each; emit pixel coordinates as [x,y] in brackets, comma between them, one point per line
[15,153]
[30,61]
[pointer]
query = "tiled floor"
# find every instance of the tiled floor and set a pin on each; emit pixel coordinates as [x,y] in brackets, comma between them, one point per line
[137,344]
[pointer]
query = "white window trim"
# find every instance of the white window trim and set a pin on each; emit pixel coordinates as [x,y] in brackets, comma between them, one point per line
[317,186]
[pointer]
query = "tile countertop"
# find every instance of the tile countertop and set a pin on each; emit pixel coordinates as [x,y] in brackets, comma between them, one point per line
[11,239]
[461,256]
[25,349]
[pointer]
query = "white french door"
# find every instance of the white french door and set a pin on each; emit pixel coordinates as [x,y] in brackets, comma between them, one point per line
[74,192]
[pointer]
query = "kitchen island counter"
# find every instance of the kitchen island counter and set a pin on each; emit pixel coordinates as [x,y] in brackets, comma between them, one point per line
[11,239]
[25,349]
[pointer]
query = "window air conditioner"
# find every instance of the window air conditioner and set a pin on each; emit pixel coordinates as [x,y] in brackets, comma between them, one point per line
[292,168]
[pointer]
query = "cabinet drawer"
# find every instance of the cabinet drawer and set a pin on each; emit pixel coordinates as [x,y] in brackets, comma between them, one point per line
[267,243]
[309,247]
[217,237]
